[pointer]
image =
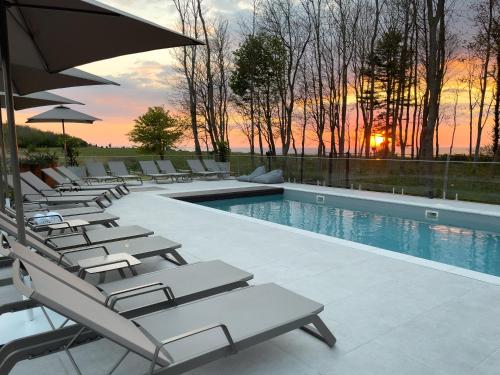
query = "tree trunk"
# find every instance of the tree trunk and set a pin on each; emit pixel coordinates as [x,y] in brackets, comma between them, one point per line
[484,80]
[434,75]
[496,122]
[368,127]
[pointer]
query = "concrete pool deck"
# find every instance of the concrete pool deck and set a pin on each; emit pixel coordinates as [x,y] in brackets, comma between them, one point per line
[390,315]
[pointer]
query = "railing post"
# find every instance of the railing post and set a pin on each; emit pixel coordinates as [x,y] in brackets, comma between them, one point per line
[330,169]
[445,179]
[347,170]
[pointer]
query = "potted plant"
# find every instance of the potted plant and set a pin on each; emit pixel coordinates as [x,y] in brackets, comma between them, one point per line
[35,161]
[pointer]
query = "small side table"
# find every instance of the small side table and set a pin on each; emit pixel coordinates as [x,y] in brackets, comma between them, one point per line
[72,225]
[105,263]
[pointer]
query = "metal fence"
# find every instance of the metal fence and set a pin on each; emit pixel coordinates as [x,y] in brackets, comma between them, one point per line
[479,182]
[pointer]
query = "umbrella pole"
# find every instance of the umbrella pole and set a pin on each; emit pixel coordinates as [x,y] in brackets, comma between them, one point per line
[64,145]
[3,167]
[9,107]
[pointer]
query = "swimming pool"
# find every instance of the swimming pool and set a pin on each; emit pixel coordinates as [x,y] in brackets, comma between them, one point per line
[463,240]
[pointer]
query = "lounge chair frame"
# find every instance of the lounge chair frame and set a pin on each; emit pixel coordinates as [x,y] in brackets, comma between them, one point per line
[118,169]
[150,170]
[163,364]
[198,169]
[44,189]
[166,166]
[97,172]
[30,195]
[65,184]
[75,179]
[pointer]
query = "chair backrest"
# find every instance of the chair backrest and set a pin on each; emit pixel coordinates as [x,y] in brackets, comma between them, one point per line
[9,225]
[19,251]
[95,169]
[196,165]
[25,189]
[118,168]
[35,182]
[166,166]
[211,165]
[148,167]
[77,306]
[65,171]
[57,177]
[224,166]
[79,171]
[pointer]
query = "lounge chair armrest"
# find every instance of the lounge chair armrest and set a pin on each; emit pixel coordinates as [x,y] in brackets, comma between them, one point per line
[53,236]
[185,335]
[112,298]
[57,193]
[68,185]
[71,251]
[32,209]
[35,195]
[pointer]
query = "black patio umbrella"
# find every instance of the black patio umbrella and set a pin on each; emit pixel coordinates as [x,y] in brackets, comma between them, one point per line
[35,80]
[38,99]
[27,80]
[63,115]
[54,35]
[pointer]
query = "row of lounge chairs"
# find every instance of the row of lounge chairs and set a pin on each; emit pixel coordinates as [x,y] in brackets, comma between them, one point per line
[158,171]
[176,318]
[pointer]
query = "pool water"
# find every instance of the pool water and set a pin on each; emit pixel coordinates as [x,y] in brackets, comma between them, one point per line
[463,247]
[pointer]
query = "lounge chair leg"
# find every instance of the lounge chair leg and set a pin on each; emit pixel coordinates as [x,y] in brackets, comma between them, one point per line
[100,204]
[70,356]
[102,277]
[115,194]
[73,362]
[122,358]
[47,317]
[320,331]
[123,189]
[178,260]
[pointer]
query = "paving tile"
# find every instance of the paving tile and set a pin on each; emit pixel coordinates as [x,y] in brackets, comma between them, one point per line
[490,366]
[454,337]
[373,359]
[262,359]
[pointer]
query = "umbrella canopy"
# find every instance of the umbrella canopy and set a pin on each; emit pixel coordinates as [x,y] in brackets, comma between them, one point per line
[27,80]
[55,35]
[62,113]
[37,99]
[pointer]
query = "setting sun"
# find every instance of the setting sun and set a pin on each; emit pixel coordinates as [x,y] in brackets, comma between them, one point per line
[376,140]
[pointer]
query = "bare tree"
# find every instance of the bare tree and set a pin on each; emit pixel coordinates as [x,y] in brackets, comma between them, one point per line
[188,16]
[286,20]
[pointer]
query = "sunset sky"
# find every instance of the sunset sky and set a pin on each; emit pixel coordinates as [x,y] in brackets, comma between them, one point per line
[149,79]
